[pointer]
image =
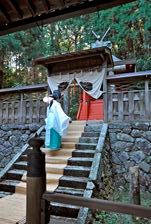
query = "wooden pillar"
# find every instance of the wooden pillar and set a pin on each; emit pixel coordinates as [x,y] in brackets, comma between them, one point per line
[1,78]
[36,181]
[66,101]
[86,104]
[105,95]
[21,109]
[134,185]
[147,100]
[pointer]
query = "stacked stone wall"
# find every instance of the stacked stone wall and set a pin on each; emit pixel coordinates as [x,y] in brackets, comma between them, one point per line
[131,146]
[12,139]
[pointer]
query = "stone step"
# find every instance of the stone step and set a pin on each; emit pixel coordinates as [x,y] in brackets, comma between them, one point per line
[21,165]
[80,161]
[91,134]
[61,152]
[51,159]
[77,122]
[75,127]
[21,187]
[51,187]
[85,146]
[42,134]
[23,158]
[70,138]
[94,122]
[61,220]
[91,140]
[57,159]
[8,185]
[50,178]
[12,208]
[59,209]
[55,168]
[74,182]
[75,132]
[68,145]
[83,153]
[4,194]
[15,174]
[70,191]
[53,178]
[76,171]
[93,128]
[27,151]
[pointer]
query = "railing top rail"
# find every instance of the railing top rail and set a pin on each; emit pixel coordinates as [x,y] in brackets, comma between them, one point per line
[24,88]
[126,91]
[16,157]
[125,62]
[94,203]
[130,75]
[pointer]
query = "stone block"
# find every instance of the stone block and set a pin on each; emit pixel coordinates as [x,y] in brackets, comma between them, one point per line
[137,156]
[141,126]
[145,167]
[124,137]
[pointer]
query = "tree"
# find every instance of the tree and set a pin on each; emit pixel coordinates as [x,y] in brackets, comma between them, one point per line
[130,34]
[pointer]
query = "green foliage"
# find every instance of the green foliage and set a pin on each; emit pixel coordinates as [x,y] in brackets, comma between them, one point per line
[114,218]
[144,63]
[105,217]
[130,34]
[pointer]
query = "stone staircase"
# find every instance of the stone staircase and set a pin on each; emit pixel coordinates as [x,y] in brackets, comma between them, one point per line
[67,170]
[76,175]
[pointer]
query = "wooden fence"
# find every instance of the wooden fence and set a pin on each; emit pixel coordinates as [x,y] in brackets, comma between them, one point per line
[129,97]
[23,105]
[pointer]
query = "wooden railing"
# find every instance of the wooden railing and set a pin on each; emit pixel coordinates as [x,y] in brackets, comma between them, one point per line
[38,197]
[94,203]
[23,105]
[128,97]
[129,105]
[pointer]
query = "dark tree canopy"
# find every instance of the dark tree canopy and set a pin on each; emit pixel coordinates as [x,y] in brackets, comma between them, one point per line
[130,34]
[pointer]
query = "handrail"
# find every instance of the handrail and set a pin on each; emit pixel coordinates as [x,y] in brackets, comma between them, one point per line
[42,197]
[29,88]
[94,203]
[16,157]
[129,75]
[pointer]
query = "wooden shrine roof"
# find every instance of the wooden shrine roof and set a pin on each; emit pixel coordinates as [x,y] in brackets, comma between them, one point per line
[18,15]
[77,60]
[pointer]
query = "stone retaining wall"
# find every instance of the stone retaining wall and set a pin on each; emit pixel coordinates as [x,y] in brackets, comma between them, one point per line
[12,139]
[131,146]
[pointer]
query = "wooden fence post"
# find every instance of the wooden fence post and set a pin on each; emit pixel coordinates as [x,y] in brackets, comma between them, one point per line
[105,95]
[134,185]
[36,181]
[147,100]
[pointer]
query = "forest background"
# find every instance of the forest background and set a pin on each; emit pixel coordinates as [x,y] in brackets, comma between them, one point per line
[130,34]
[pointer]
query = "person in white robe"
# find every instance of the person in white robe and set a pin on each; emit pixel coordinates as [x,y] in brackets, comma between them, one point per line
[57,123]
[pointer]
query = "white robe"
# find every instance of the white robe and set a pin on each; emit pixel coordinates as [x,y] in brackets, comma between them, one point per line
[57,119]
